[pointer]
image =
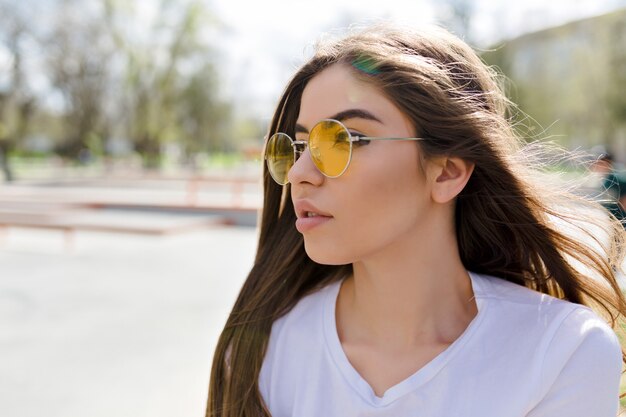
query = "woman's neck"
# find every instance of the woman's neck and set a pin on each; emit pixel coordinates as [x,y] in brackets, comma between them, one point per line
[408,297]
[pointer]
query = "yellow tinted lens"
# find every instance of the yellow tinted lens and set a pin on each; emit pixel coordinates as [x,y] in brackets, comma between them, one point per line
[329,144]
[279,156]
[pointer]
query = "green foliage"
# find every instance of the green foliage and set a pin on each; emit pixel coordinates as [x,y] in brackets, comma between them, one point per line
[166,101]
[118,74]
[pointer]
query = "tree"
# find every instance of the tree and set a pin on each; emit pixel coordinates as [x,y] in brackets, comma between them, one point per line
[204,119]
[17,103]
[117,73]
[79,53]
[170,84]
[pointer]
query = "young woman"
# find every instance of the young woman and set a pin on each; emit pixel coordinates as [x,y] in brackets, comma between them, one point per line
[409,264]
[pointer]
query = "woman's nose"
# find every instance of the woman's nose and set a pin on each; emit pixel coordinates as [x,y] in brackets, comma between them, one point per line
[304,170]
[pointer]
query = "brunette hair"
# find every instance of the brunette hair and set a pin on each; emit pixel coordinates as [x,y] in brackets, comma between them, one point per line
[508,224]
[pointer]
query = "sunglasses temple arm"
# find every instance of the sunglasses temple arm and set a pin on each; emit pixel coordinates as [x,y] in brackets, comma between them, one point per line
[359,138]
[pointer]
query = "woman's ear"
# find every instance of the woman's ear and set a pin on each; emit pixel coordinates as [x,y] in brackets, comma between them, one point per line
[450,175]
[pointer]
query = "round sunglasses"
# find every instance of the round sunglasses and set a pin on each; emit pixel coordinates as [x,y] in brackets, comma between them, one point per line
[330,147]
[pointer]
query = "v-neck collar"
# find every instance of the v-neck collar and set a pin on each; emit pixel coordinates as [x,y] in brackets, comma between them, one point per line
[423,375]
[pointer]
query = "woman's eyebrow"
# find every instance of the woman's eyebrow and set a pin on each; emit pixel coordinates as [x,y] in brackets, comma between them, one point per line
[345,115]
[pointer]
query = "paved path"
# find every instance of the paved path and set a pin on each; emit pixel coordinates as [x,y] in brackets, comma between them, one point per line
[124,325]
[226,192]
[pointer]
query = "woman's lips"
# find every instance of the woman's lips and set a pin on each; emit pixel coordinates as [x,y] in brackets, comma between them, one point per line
[309,216]
[310,221]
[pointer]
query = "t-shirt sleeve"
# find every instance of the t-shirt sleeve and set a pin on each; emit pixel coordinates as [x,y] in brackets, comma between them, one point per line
[581,370]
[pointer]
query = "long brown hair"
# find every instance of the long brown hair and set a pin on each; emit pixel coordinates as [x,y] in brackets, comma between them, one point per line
[508,225]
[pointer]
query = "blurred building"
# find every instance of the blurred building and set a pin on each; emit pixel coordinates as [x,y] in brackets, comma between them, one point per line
[571,80]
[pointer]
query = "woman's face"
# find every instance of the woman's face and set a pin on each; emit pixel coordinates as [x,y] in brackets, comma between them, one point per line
[382,199]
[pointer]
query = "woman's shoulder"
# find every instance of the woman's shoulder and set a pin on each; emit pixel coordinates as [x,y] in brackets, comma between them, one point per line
[552,338]
[561,321]
[510,294]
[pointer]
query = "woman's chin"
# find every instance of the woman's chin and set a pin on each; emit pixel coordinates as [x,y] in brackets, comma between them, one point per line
[326,255]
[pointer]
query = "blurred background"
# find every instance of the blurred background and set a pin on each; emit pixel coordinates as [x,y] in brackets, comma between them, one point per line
[130,157]
[187,85]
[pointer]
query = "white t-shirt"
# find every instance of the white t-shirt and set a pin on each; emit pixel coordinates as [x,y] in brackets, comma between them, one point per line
[524,354]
